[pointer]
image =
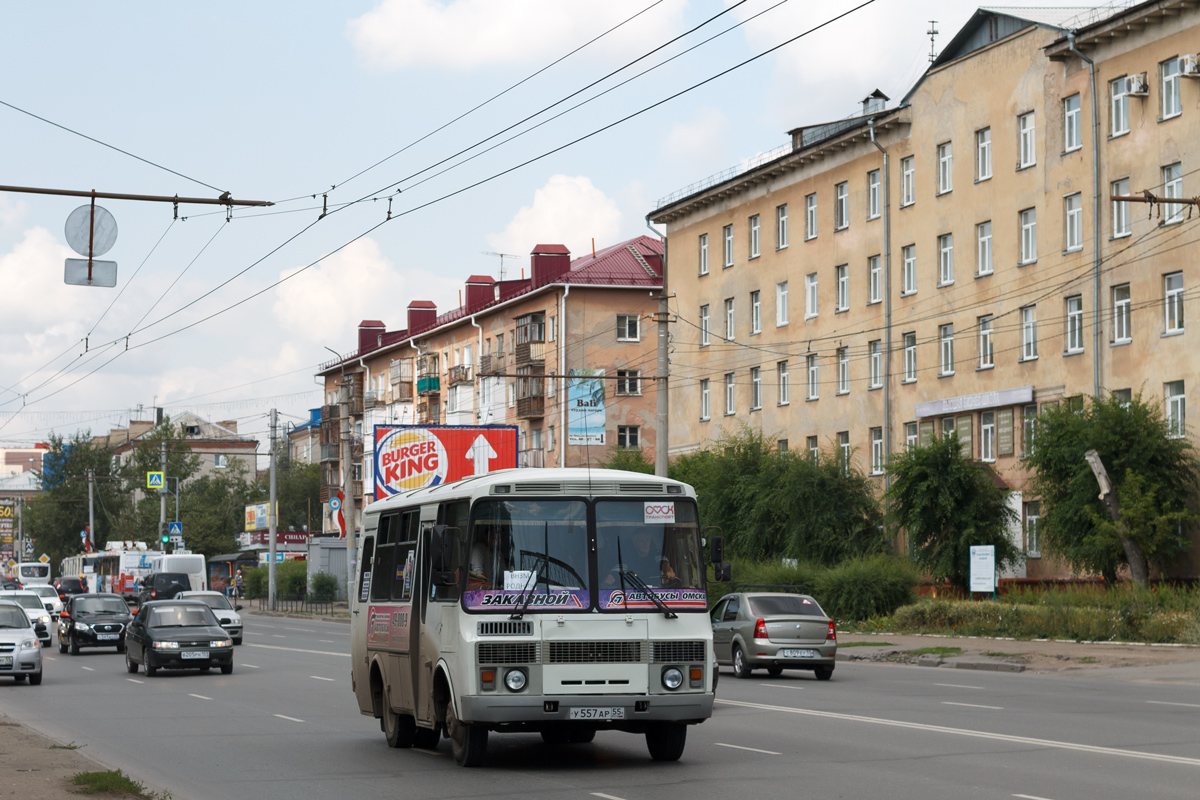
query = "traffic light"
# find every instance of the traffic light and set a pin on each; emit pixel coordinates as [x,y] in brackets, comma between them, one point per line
[165,534]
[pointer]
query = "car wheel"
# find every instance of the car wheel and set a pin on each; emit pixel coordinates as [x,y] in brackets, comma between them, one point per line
[130,665]
[665,740]
[468,743]
[227,669]
[823,673]
[35,679]
[774,672]
[741,668]
[400,730]
[237,641]
[62,646]
[150,668]
[74,646]
[120,647]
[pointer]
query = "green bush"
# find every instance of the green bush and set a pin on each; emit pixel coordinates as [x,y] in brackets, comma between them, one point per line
[256,581]
[291,580]
[323,588]
[864,587]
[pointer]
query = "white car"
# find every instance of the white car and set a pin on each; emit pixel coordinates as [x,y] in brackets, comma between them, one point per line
[227,614]
[50,598]
[35,609]
[20,656]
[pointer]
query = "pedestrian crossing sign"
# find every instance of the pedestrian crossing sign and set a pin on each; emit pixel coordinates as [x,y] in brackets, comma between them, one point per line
[154,480]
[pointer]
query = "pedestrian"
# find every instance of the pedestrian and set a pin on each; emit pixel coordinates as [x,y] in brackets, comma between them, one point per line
[239,584]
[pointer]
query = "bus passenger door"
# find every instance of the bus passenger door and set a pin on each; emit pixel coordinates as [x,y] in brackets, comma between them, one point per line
[427,640]
[359,595]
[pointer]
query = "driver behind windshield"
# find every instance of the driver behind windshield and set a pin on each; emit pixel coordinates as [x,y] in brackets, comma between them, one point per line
[639,555]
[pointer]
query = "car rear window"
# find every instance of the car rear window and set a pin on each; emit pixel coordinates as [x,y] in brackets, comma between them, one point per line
[165,579]
[785,604]
[70,585]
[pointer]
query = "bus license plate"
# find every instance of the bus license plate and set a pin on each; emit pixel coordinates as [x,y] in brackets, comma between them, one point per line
[194,654]
[799,654]
[6,661]
[105,637]
[597,713]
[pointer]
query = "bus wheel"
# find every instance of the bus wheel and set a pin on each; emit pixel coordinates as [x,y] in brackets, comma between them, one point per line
[467,742]
[665,740]
[400,730]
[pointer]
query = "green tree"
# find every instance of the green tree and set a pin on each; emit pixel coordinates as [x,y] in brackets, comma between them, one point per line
[1153,475]
[212,509]
[141,524]
[948,503]
[630,459]
[297,491]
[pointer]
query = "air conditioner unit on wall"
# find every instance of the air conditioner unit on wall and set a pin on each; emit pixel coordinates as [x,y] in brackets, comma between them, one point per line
[1138,85]
[1189,64]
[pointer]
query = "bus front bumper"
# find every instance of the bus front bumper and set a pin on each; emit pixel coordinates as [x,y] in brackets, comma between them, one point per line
[516,708]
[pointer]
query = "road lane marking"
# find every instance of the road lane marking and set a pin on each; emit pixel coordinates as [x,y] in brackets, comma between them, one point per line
[972,705]
[200,696]
[89,669]
[783,685]
[1000,737]
[294,650]
[1031,797]
[290,719]
[327,641]
[134,680]
[278,636]
[301,630]
[1165,703]
[426,751]
[958,686]
[607,796]
[319,678]
[50,658]
[252,633]
[751,749]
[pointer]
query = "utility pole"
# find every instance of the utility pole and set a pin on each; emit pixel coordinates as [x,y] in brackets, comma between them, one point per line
[348,504]
[91,476]
[162,492]
[662,407]
[271,521]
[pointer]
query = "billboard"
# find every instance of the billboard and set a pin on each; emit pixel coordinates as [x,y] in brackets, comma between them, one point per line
[415,456]
[585,407]
[8,524]
[257,518]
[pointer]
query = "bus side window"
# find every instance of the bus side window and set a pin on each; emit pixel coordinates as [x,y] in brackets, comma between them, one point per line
[381,584]
[364,575]
[406,562]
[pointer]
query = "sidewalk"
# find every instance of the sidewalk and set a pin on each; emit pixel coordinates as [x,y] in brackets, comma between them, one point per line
[34,770]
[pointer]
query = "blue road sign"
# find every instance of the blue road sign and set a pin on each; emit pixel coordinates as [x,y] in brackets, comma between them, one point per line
[175,528]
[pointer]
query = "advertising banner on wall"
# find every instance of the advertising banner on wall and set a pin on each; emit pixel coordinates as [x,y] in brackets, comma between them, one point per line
[585,407]
[415,456]
[8,524]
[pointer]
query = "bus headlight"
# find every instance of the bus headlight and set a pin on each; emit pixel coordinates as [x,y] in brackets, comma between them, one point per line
[672,678]
[515,680]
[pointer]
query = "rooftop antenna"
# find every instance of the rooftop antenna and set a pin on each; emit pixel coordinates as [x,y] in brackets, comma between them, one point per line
[502,257]
[933,32]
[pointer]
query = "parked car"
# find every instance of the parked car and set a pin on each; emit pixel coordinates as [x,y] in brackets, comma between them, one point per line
[93,620]
[163,586]
[69,586]
[20,655]
[50,598]
[773,630]
[227,614]
[32,604]
[177,634]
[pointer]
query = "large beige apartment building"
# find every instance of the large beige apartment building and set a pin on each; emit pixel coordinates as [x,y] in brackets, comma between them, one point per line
[501,358]
[955,262]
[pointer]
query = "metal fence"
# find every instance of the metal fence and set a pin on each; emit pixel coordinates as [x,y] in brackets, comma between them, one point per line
[301,605]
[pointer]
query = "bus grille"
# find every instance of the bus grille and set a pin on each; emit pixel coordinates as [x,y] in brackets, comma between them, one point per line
[676,652]
[507,653]
[506,628]
[595,652]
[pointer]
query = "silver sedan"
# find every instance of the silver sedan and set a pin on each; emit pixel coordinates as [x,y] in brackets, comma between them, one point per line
[773,630]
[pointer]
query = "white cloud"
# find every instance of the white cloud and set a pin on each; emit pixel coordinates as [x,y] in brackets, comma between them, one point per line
[12,212]
[699,141]
[464,34]
[566,210]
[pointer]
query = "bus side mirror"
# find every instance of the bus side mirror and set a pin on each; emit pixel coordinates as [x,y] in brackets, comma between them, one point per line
[718,545]
[723,572]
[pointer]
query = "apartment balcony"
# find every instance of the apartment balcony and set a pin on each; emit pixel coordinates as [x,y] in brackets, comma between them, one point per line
[533,407]
[372,399]
[531,458]
[402,391]
[460,374]
[358,490]
[531,353]
[356,450]
[428,412]
[329,491]
[492,365]
[428,385]
[331,452]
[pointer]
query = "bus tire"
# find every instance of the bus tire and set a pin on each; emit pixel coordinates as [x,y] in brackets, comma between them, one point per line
[400,730]
[665,740]
[468,742]
[581,735]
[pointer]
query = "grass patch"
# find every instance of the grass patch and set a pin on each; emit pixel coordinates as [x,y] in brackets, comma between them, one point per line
[113,781]
[999,654]
[948,652]
[70,746]
[1086,660]
[864,644]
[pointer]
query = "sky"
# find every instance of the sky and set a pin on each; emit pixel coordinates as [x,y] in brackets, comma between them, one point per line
[340,107]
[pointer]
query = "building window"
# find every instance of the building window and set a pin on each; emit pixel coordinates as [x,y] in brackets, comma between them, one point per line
[814,381]
[629,381]
[814,449]
[945,154]
[783,445]
[704,326]
[945,259]
[705,409]
[728,237]
[1124,397]
[1176,410]
[909,276]
[1029,333]
[1032,545]
[1172,178]
[551,335]
[1028,429]
[843,360]
[910,357]
[810,217]
[983,253]
[755,312]
[627,436]
[841,206]
[1025,123]
[754,247]
[1073,211]
[1120,209]
[785,394]
[1173,301]
[627,328]
[220,461]
[755,388]
[873,202]
[987,436]
[983,154]
[1072,136]
[729,396]
[704,254]
[874,279]
[550,438]
[1169,72]
[948,426]
[781,231]
[876,451]
[946,348]
[907,177]
[844,449]
[910,435]
[1075,324]
[1119,116]
[986,353]
[729,319]
[781,303]
[1029,236]
[512,395]
[875,349]
[1122,331]
[810,295]
[843,288]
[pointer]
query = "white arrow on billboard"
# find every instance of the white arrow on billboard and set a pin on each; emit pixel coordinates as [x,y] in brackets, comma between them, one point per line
[481,453]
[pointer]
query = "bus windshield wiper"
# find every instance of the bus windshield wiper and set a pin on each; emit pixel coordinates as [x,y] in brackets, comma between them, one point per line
[543,559]
[641,586]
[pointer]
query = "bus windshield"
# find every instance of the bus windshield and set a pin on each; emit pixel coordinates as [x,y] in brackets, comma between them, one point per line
[653,543]
[35,571]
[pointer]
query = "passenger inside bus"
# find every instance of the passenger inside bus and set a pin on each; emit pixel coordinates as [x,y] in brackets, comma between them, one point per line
[641,557]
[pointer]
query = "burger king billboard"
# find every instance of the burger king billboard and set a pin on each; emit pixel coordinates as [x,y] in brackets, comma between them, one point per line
[411,457]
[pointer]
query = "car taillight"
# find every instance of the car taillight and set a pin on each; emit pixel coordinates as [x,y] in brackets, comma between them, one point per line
[154,594]
[831,636]
[760,629]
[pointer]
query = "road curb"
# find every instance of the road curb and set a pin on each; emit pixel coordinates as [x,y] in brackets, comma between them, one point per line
[286,615]
[990,666]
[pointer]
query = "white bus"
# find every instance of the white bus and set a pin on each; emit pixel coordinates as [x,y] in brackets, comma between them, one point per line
[31,573]
[558,601]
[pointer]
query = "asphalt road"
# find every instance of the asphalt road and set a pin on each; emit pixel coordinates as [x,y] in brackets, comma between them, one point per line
[285,726]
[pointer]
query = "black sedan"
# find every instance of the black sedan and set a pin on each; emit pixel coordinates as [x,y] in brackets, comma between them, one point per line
[177,634]
[93,620]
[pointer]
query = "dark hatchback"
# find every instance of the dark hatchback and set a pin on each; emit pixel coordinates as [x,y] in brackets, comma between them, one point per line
[163,586]
[66,587]
[177,634]
[93,620]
